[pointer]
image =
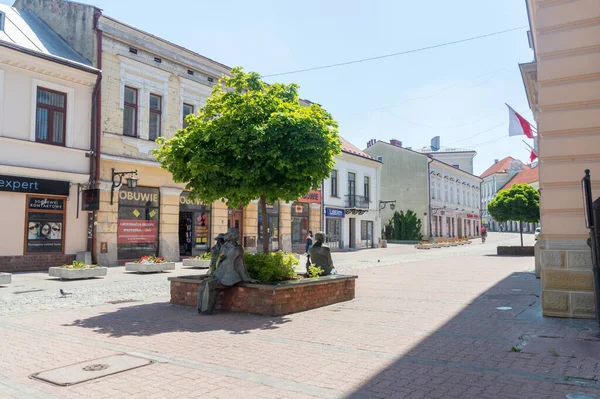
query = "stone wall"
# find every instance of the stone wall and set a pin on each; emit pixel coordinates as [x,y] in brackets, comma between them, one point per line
[270,300]
[29,263]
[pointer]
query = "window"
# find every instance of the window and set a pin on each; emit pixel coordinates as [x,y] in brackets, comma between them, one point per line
[130,110]
[187,109]
[45,222]
[456,166]
[50,116]
[432,189]
[367,189]
[155,116]
[334,183]
[439,188]
[1,21]
[351,184]
[380,158]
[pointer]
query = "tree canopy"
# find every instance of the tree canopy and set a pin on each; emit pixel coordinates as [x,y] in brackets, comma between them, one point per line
[252,140]
[520,203]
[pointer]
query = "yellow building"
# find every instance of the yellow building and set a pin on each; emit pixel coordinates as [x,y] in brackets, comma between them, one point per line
[563,88]
[148,87]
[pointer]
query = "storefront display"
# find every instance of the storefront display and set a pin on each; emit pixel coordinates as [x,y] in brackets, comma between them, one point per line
[333,227]
[366,234]
[137,226]
[45,225]
[300,218]
[272,226]
[194,226]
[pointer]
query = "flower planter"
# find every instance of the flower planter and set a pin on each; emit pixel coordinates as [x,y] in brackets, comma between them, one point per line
[437,245]
[77,274]
[197,263]
[5,278]
[149,267]
[275,299]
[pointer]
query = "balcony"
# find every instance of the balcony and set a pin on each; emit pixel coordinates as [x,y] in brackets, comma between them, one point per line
[357,203]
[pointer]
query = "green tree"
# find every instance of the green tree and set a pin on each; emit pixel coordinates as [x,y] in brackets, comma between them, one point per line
[404,226]
[520,203]
[250,141]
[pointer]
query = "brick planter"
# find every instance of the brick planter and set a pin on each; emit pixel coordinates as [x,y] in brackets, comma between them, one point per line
[266,299]
[515,251]
[30,263]
[5,278]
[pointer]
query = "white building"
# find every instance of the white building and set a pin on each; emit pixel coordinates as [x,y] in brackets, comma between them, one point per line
[454,201]
[459,158]
[351,200]
[45,138]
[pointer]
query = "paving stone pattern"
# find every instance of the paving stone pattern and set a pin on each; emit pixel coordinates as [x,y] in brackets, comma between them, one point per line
[423,328]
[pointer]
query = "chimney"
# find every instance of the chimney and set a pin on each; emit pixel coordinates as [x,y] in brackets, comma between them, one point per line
[435,143]
[496,160]
[396,143]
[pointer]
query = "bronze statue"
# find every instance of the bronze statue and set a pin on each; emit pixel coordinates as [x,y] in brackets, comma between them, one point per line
[321,255]
[230,270]
[215,251]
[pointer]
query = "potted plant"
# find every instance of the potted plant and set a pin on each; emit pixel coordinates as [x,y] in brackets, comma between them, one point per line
[198,262]
[149,264]
[77,270]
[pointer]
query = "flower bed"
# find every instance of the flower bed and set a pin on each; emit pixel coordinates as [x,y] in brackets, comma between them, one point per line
[198,262]
[77,270]
[275,299]
[442,243]
[149,264]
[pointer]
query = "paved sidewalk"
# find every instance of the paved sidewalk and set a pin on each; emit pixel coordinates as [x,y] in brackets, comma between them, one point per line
[425,327]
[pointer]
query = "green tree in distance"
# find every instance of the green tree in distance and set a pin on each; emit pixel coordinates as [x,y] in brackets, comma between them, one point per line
[520,203]
[251,141]
[404,226]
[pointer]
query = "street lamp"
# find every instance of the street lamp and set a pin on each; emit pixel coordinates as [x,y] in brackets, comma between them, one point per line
[131,181]
[382,204]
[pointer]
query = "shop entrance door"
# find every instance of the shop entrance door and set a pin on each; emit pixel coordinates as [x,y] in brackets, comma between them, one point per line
[235,219]
[185,233]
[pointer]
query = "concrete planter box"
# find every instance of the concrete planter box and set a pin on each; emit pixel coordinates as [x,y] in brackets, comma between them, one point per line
[437,245]
[276,299]
[516,251]
[5,278]
[149,267]
[197,263]
[419,246]
[77,274]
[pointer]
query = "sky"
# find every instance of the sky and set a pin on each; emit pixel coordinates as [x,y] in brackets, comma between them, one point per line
[455,92]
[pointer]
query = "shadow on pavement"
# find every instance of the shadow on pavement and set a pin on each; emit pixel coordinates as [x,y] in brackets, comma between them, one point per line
[498,346]
[162,317]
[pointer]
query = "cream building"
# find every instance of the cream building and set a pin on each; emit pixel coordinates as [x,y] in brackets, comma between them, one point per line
[351,200]
[563,90]
[459,158]
[45,111]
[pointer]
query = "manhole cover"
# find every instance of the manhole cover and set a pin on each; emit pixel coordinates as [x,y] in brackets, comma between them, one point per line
[96,367]
[504,308]
[91,370]
[516,290]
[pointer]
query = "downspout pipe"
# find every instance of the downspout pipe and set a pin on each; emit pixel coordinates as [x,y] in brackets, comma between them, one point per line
[97,129]
[429,162]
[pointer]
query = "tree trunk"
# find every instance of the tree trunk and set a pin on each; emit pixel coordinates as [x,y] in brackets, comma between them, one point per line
[521,229]
[265,223]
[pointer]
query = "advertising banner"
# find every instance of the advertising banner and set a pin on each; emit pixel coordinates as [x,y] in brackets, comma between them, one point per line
[131,231]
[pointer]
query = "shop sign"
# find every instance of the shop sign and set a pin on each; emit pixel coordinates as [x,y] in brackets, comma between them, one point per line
[187,203]
[313,196]
[90,200]
[472,216]
[334,213]
[19,184]
[131,231]
[46,204]
[139,196]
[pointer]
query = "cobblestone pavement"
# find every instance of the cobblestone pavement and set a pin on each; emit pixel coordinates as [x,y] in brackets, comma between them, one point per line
[425,325]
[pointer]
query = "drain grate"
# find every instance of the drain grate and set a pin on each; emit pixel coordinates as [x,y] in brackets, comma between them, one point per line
[91,370]
[26,292]
[119,301]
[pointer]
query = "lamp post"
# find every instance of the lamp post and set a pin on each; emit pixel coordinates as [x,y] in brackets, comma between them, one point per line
[131,181]
[592,222]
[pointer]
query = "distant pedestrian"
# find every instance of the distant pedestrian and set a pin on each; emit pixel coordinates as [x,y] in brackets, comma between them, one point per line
[309,241]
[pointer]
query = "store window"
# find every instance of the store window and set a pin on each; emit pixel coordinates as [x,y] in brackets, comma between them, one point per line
[194,226]
[45,225]
[273,226]
[300,213]
[137,226]
[366,234]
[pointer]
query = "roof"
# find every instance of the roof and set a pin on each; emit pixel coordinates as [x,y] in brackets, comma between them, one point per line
[27,31]
[526,176]
[429,150]
[350,148]
[451,166]
[499,167]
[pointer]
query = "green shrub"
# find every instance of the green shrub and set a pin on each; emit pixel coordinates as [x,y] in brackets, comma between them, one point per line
[267,268]
[314,271]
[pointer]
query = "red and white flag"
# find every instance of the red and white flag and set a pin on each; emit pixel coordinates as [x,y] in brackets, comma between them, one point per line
[533,153]
[518,125]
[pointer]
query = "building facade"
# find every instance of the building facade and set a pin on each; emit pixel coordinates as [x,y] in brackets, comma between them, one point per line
[404,179]
[45,111]
[563,90]
[351,200]
[458,158]
[454,202]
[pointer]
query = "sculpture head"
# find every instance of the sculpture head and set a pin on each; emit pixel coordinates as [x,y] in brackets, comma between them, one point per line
[220,238]
[232,235]
[320,237]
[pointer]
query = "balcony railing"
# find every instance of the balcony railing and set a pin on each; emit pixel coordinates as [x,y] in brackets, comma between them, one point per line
[357,201]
